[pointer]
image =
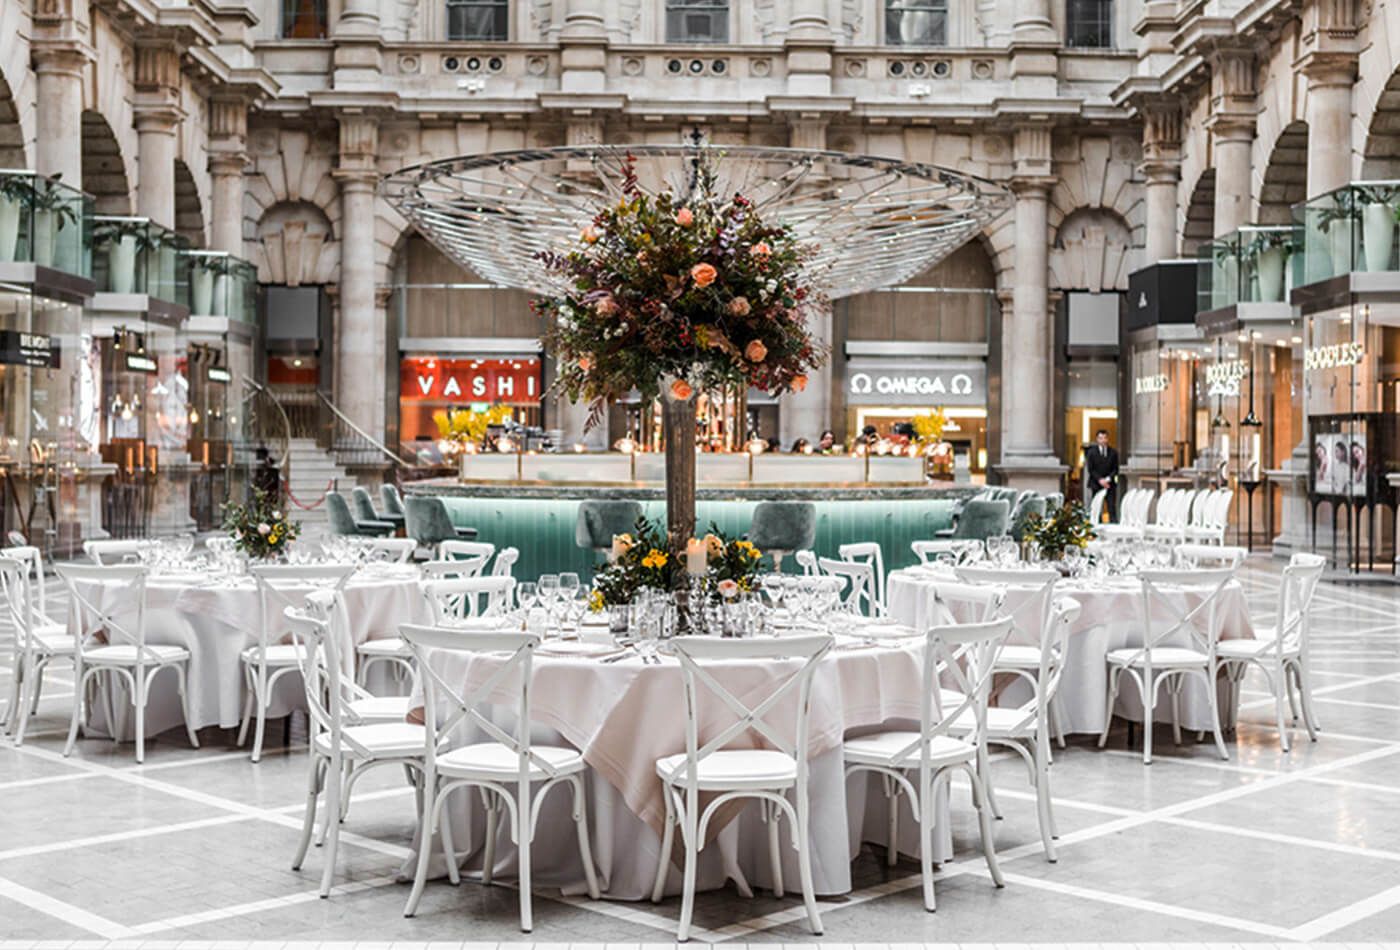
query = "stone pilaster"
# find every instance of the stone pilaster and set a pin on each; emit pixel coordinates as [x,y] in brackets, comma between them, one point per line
[360,331]
[808,49]
[358,60]
[228,159]
[158,116]
[1330,80]
[1034,43]
[583,49]
[1161,170]
[58,67]
[1231,124]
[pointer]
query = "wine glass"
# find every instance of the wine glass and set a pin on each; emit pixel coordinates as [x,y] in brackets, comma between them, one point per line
[773,587]
[1074,559]
[526,595]
[548,588]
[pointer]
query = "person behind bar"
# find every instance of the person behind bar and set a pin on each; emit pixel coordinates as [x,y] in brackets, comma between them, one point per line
[1101,465]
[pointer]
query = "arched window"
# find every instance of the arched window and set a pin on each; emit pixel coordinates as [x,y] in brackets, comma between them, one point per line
[916,22]
[304,19]
[1089,24]
[697,21]
[479,20]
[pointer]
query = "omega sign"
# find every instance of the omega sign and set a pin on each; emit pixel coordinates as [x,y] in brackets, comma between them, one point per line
[914,385]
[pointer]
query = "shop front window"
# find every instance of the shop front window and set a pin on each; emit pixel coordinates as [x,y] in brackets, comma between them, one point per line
[431,388]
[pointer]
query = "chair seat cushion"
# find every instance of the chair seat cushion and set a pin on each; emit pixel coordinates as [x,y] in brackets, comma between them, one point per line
[1163,531]
[735,768]
[886,748]
[53,638]
[495,760]
[380,709]
[1015,656]
[392,646]
[1003,722]
[278,654]
[1161,657]
[124,654]
[381,739]
[1262,646]
[1118,531]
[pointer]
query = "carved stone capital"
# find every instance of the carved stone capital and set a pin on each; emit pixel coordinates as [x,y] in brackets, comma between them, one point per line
[359,145]
[60,57]
[1031,151]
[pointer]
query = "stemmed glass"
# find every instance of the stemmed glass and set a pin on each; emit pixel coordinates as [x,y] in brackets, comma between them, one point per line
[549,595]
[773,587]
[1074,560]
[526,595]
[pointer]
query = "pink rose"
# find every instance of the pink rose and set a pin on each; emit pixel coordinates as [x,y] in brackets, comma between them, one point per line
[685,218]
[760,249]
[605,306]
[584,363]
[739,307]
[703,274]
[728,589]
[755,351]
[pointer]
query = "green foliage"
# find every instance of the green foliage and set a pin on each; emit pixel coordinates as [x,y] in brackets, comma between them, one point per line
[729,560]
[1068,527]
[259,529]
[644,562]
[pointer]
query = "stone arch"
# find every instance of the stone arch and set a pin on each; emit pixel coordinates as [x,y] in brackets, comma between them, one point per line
[1092,251]
[1380,151]
[189,215]
[1285,179]
[12,151]
[295,245]
[1199,225]
[104,166]
[1375,131]
[17,88]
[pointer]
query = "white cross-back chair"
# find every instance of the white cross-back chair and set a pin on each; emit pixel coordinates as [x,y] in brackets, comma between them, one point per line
[764,774]
[860,596]
[38,640]
[964,655]
[1192,554]
[1168,617]
[1281,651]
[1096,503]
[1132,517]
[1031,616]
[504,565]
[103,553]
[388,550]
[342,751]
[868,552]
[457,600]
[1173,510]
[470,557]
[268,660]
[929,551]
[807,560]
[125,657]
[1212,517]
[504,768]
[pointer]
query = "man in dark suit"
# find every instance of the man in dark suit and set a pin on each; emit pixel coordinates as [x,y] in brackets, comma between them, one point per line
[1101,468]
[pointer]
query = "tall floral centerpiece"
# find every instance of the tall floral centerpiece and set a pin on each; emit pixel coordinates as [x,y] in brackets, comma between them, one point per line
[260,529]
[671,294]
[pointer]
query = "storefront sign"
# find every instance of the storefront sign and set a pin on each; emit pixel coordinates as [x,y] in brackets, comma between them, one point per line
[1144,385]
[512,381]
[869,383]
[28,349]
[140,364]
[1334,356]
[1223,379]
[217,374]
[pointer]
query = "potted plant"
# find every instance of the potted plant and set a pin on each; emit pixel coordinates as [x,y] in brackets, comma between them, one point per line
[1225,276]
[1271,250]
[15,191]
[1378,215]
[209,284]
[1067,527]
[122,239]
[52,211]
[1337,220]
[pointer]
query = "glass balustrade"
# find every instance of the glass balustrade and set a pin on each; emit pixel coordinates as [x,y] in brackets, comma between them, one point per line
[138,256]
[1249,265]
[1350,229]
[222,285]
[45,222]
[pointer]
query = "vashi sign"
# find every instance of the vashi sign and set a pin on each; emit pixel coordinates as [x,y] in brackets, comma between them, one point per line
[512,381]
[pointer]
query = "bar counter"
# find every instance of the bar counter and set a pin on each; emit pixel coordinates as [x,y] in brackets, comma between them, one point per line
[538,516]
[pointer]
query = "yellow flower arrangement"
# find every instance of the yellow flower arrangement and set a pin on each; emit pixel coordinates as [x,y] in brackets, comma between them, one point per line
[596,601]
[655,559]
[929,426]
[464,426]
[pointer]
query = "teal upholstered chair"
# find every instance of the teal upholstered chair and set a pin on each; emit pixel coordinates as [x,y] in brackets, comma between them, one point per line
[1054,502]
[781,527]
[426,521]
[598,521]
[1021,518]
[363,507]
[981,520]
[391,499]
[343,521]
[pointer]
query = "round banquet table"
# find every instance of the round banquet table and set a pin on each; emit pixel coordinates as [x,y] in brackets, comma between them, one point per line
[1110,619]
[622,716]
[216,618]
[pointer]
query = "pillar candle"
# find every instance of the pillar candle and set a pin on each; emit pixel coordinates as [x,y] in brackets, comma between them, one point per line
[618,549]
[696,560]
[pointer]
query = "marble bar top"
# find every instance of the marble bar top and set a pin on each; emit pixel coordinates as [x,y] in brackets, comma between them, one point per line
[643,491]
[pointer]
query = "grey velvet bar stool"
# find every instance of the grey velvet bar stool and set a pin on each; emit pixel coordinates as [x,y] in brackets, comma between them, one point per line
[599,520]
[781,527]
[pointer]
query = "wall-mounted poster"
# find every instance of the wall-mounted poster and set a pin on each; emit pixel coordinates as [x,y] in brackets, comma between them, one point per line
[1340,462]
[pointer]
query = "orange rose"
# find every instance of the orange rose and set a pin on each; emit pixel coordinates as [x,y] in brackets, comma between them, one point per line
[681,391]
[685,218]
[589,235]
[739,307]
[755,351]
[584,363]
[605,306]
[799,382]
[760,249]
[703,274]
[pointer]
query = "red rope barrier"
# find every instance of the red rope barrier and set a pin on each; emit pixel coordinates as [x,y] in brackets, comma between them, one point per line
[315,504]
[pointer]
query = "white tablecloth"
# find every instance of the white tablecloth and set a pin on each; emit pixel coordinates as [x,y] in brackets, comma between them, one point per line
[623,716]
[1111,619]
[217,621]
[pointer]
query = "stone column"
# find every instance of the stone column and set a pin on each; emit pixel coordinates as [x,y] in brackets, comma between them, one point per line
[58,68]
[228,140]
[806,414]
[158,114]
[1231,126]
[1161,168]
[1330,80]
[360,332]
[1027,457]
[808,49]
[583,49]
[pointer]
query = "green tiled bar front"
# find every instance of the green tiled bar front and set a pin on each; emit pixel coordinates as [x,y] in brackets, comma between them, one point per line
[543,528]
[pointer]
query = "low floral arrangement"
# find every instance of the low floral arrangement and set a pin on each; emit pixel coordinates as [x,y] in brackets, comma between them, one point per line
[733,564]
[463,427]
[259,529]
[682,293]
[1068,527]
[929,426]
[642,561]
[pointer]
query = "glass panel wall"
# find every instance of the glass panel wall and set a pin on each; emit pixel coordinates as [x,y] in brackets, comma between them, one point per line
[1350,229]
[136,256]
[45,222]
[1246,266]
